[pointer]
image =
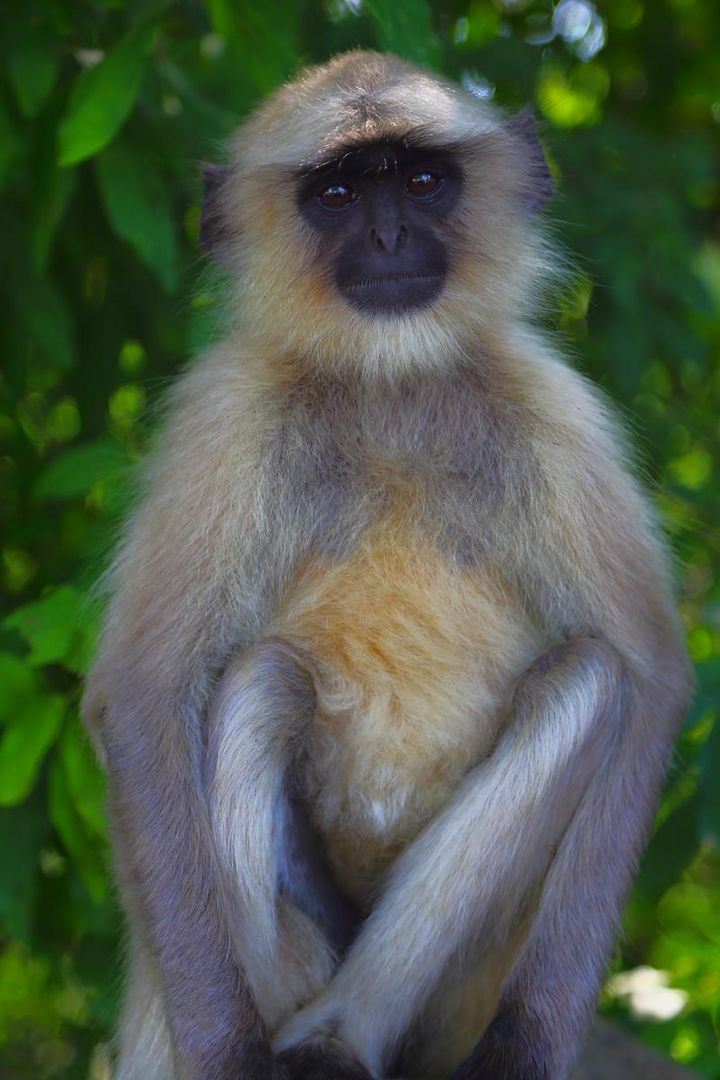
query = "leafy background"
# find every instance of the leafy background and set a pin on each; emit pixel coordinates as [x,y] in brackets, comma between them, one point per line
[106,109]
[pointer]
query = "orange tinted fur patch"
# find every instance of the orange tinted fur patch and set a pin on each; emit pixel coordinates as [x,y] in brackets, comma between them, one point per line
[413,661]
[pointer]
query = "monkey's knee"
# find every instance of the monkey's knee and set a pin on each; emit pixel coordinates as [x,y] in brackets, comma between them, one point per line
[261,703]
[586,674]
[581,657]
[271,676]
[262,697]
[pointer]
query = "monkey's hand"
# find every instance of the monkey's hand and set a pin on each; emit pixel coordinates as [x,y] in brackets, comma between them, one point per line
[322,1057]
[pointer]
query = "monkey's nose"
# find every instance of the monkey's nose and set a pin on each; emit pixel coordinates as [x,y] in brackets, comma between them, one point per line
[388,239]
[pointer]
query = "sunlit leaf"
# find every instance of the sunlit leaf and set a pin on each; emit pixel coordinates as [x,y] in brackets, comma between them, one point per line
[137,204]
[19,685]
[25,744]
[126,405]
[693,469]
[483,25]
[103,96]
[55,627]
[574,99]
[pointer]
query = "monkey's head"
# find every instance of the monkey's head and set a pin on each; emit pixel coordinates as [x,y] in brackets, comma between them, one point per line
[378,217]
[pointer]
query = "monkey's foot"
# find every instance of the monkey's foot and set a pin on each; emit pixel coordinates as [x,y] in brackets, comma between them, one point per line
[322,1059]
[507,1051]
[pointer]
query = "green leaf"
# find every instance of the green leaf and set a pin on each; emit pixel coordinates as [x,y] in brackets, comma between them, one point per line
[51,191]
[53,328]
[11,145]
[58,628]
[137,205]
[47,319]
[85,780]
[405,27]
[671,849]
[25,744]
[709,788]
[20,684]
[210,121]
[103,97]
[706,698]
[23,830]
[264,37]
[75,471]
[32,65]
[73,833]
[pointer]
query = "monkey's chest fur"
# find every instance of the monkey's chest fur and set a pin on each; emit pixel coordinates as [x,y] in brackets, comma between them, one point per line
[414,658]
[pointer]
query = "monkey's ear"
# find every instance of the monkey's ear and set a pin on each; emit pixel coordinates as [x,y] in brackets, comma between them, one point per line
[539,178]
[213,236]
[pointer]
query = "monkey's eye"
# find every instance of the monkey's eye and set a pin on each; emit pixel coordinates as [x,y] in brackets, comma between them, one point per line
[337,196]
[423,183]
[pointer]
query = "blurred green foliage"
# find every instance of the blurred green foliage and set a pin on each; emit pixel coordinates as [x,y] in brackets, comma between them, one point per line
[106,109]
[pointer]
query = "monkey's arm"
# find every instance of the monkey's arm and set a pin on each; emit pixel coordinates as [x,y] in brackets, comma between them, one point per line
[462,886]
[603,567]
[286,914]
[577,772]
[184,591]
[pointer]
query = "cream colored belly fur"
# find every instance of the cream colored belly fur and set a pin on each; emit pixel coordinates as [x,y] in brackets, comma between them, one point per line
[414,662]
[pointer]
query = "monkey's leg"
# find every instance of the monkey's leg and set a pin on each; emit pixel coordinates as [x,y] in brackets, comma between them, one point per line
[289,921]
[473,872]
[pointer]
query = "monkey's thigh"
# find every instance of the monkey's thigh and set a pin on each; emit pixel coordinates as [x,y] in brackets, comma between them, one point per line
[463,1004]
[143,1042]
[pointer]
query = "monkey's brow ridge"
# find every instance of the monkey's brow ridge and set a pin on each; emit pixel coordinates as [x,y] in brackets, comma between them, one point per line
[334,157]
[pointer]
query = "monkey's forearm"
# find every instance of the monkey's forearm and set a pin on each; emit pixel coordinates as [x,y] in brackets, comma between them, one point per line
[468,877]
[259,715]
[548,1000]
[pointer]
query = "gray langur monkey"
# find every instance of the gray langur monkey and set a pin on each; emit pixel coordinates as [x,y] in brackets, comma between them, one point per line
[391,670]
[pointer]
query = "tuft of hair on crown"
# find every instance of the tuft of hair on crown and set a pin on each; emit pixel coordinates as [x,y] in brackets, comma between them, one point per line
[282,293]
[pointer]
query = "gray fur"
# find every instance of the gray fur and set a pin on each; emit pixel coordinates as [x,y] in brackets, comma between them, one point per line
[284,447]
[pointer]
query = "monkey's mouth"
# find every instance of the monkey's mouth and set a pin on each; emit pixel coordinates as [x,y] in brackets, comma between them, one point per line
[392,293]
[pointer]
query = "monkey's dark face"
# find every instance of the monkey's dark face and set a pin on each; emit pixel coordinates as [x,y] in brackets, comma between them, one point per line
[382,211]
